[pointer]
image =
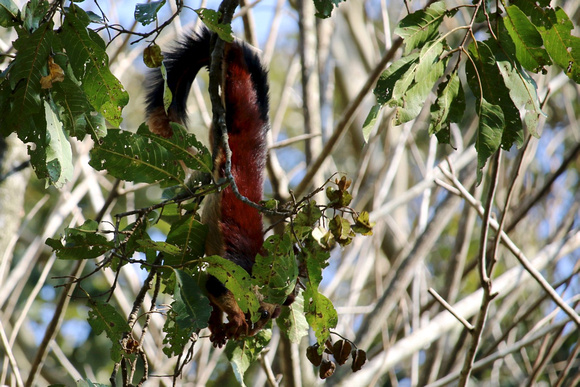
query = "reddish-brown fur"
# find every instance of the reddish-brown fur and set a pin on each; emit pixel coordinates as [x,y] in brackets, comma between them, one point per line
[235,228]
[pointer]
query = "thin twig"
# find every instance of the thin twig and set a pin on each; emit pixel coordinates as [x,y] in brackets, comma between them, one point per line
[524,261]
[451,310]
[268,370]
[11,358]
[485,362]
[484,276]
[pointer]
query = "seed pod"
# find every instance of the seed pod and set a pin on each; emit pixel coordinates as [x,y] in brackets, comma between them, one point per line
[327,368]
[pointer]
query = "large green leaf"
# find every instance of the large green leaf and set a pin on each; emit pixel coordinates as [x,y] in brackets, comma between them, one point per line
[427,72]
[9,13]
[523,92]
[58,150]
[28,67]
[555,27]
[183,146]
[527,40]
[421,26]
[136,158]
[190,235]
[237,280]
[560,44]
[191,305]
[103,317]
[77,114]
[324,7]
[212,20]
[489,133]
[393,75]
[487,83]
[275,271]
[146,13]
[189,313]
[449,107]
[83,242]
[320,314]
[90,64]
[292,321]
[242,353]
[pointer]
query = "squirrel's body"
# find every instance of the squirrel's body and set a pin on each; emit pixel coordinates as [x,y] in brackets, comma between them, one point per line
[235,228]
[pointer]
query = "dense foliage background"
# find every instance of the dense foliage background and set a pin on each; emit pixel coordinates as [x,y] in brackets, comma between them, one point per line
[466,157]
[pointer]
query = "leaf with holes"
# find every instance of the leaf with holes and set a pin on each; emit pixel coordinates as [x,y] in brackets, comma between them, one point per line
[136,158]
[237,280]
[190,234]
[90,64]
[103,317]
[422,26]
[448,107]
[275,271]
[527,41]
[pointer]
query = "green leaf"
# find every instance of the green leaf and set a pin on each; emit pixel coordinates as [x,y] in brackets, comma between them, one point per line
[33,13]
[190,235]
[90,64]
[448,107]
[136,158]
[5,109]
[9,14]
[487,83]
[292,320]
[211,19]
[83,242]
[147,13]
[560,44]
[341,230]
[76,112]
[339,197]
[421,26]
[308,215]
[393,75]
[427,72]
[242,353]
[527,40]
[189,313]
[163,247]
[237,280]
[180,145]
[320,314]
[523,92]
[30,64]
[371,121]
[316,260]
[275,271]
[489,133]
[324,7]
[556,28]
[58,150]
[103,317]
[191,305]
[363,225]
[167,94]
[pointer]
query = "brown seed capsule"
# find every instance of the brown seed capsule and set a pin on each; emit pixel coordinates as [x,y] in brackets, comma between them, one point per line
[359,358]
[327,368]
[313,356]
[341,351]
